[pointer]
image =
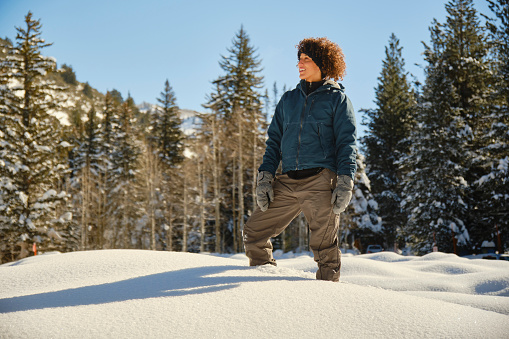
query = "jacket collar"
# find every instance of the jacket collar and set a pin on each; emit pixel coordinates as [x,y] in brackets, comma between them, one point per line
[328,84]
[334,84]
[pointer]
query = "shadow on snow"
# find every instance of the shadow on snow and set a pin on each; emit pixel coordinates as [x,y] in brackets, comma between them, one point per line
[167,284]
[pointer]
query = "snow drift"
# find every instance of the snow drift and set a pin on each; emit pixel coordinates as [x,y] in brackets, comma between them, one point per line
[146,294]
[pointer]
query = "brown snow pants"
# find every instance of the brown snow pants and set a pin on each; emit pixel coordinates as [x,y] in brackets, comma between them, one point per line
[312,196]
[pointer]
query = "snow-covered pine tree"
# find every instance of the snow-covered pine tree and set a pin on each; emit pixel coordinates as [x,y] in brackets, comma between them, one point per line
[90,167]
[238,102]
[108,126]
[469,69]
[389,126]
[435,186]
[124,169]
[493,185]
[361,223]
[31,148]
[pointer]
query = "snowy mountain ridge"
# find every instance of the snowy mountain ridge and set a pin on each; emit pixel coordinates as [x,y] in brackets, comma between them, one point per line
[190,119]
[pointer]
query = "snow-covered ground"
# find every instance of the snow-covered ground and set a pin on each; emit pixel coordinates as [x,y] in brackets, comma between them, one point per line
[147,294]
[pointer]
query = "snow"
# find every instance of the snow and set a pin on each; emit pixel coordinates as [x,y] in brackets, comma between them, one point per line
[49,194]
[149,294]
[23,197]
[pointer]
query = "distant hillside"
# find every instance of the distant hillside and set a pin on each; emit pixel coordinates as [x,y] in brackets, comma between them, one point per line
[190,118]
[80,97]
[77,98]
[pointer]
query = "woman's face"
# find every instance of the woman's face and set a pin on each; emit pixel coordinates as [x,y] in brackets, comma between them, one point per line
[308,70]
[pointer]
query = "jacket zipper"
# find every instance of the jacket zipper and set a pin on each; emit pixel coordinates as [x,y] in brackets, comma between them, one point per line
[301,123]
[300,132]
[303,114]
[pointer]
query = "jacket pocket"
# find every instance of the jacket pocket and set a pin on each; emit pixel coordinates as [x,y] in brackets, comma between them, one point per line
[321,138]
[289,138]
[283,137]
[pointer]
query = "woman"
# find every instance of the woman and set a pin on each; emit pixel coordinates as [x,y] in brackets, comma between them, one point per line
[313,135]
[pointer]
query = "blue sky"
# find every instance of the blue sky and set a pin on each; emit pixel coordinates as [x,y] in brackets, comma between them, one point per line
[134,46]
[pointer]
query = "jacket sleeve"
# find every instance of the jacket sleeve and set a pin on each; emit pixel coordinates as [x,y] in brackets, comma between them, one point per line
[345,132]
[272,155]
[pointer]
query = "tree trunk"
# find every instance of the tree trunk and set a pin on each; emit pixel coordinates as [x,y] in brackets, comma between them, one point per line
[215,164]
[241,184]
[84,207]
[201,186]
[169,234]
[125,221]
[184,225]
[234,205]
[150,180]
[101,211]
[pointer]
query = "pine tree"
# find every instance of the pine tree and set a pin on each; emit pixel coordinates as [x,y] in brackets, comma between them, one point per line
[124,170]
[90,166]
[166,141]
[166,130]
[31,162]
[389,126]
[68,75]
[238,103]
[467,54]
[238,89]
[440,166]
[106,183]
[493,185]
[361,221]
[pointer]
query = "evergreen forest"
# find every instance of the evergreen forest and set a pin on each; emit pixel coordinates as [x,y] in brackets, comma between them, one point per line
[85,170]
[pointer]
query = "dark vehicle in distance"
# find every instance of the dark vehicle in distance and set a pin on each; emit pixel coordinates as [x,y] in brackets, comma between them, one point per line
[374,249]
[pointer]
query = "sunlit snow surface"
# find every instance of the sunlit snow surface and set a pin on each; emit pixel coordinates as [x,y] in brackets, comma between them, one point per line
[146,294]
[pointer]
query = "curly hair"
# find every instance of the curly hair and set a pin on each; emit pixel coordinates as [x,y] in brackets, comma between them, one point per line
[326,54]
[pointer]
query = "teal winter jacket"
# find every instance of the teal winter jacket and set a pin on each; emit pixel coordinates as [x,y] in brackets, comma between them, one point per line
[315,130]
